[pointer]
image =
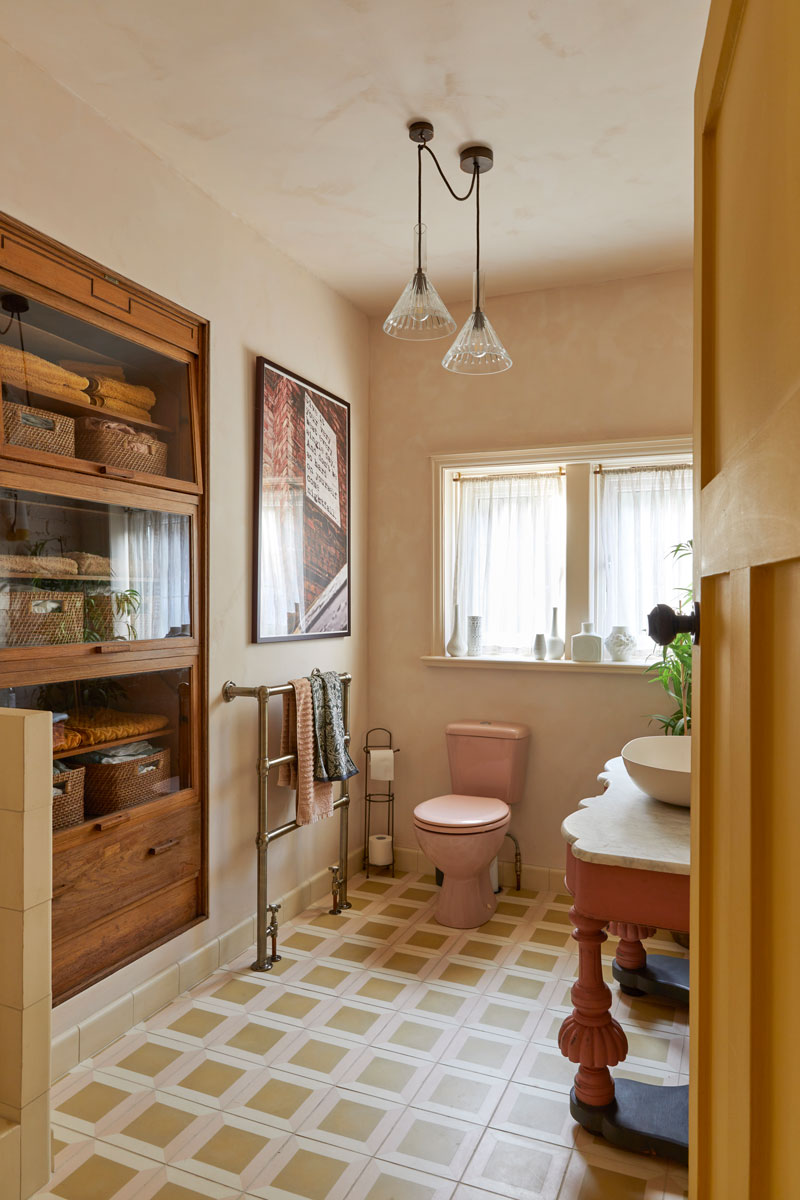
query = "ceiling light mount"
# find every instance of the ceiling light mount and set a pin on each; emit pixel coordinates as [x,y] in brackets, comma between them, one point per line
[477,158]
[420,132]
[420,314]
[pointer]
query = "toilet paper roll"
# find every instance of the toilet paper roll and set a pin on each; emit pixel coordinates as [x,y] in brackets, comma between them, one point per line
[380,850]
[381,764]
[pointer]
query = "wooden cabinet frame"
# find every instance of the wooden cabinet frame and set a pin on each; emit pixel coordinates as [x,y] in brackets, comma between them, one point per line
[45,271]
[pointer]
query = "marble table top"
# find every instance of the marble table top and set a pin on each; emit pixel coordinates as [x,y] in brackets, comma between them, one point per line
[627,828]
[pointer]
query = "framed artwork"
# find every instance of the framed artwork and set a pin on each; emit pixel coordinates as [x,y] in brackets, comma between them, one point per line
[302,509]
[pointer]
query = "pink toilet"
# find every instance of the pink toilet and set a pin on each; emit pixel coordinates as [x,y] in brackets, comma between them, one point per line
[462,833]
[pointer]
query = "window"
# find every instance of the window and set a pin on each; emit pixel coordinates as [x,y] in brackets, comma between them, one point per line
[588,530]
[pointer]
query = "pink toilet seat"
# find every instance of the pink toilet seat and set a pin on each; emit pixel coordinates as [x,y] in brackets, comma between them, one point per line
[461,814]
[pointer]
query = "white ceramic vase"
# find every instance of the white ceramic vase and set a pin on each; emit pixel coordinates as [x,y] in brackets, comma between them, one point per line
[587,646]
[474,635]
[457,646]
[620,643]
[539,646]
[555,644]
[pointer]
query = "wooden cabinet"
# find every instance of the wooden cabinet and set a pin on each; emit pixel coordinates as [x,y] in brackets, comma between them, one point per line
[103,590]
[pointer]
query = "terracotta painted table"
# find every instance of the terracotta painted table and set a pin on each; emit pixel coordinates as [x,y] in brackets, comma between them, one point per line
[628,869]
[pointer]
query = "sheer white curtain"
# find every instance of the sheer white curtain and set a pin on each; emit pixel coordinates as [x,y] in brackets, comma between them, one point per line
[641,513]
[510,557]
[150,553]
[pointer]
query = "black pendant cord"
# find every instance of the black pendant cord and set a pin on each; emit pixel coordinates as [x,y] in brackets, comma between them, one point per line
[3,332]
[477,177]
[466,196]
[420,148]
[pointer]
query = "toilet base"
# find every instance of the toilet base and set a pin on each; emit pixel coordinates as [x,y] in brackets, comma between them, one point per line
[466,903]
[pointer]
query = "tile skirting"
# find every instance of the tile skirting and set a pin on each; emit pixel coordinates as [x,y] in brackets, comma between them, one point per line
[92,1035]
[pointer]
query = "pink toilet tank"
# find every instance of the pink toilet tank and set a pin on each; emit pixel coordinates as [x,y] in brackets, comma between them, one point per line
[488,758]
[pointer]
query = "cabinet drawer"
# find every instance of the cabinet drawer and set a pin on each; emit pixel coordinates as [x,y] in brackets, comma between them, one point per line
[87,955]
[122,860]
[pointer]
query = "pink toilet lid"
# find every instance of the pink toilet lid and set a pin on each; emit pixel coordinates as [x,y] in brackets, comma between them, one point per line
[462,814]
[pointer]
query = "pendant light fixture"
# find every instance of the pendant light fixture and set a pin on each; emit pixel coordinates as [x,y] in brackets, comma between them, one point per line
[420,314]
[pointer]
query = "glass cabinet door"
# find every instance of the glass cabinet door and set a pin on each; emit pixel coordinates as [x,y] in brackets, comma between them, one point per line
[118,741]
[76,391]
[76,571]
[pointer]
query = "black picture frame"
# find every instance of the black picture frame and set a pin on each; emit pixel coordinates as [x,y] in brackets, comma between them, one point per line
[301,526]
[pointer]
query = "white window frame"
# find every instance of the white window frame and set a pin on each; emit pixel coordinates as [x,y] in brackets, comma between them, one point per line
[579,461]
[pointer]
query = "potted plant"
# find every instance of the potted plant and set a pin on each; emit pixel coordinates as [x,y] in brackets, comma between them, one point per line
[673,669]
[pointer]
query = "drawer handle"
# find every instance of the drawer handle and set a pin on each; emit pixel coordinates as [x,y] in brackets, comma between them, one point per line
[113,647]
[117,472]
[162,847]
[110,822]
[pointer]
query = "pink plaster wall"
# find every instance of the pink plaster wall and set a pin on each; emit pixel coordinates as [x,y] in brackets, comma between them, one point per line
[611,361]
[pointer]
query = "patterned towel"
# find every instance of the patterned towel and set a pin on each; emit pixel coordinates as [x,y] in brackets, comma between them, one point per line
[314,800]
[331,759]
[107,724]
[128,393]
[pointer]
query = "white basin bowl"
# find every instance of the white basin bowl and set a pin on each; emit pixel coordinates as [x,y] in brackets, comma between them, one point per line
[661,767]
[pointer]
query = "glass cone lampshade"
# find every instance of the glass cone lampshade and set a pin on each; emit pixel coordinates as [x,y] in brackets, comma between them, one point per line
[477,350]
[420,314]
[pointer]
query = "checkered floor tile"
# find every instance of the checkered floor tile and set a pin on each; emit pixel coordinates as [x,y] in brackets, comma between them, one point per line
[388,1059]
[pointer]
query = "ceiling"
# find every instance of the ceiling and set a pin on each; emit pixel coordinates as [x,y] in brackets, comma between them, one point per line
[293,116]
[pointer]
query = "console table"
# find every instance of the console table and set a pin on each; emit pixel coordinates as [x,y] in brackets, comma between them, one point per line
[628,869]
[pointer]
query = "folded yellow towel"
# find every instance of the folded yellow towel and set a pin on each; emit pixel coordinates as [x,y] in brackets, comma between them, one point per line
[117,406]
[128,393]
[314,799]
[38,564]
[108,725]
[24,365]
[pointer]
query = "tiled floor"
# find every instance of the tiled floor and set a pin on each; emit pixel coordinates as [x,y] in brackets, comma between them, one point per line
[384,1058]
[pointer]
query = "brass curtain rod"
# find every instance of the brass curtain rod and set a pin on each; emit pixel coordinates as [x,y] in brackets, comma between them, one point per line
[458,477]
[601,470]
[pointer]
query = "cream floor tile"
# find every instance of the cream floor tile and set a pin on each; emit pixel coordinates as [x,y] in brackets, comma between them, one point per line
[537,1113]
[230,1151]
[427,1142]
[295,1006]
[193,1022]
[676,1184]
[141,1057]
[388,1181]
[402,911]
[519,1168]
[406,963]
[359,1123]
[155,1125]
[491,1014]
[650,1013]
[522,986]
[91,1170]
[320,1056]
[490,1053]
[453,1092]
[546,962]
[475,946]
[543,1066]
[234,992]
[213,1079]
[83,1100]
[612,1175]
[649,1049]
[382,929]
[306,941]
[428,937]
[386,1075]
[309,1170]
[324,976]
[257,1038]
[462,973]
[353,1019]
[387,991]
[354,951]
[444,1003]
[169,1183]
[243,962]
[417,1035]
[279,1099]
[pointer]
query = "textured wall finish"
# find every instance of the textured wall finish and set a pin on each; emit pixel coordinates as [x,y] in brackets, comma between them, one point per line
[598,363]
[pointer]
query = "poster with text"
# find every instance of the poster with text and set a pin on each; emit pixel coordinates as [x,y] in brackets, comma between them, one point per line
[302,512]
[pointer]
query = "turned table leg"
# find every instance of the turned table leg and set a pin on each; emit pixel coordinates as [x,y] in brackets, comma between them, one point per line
[590,1036]
[630,951]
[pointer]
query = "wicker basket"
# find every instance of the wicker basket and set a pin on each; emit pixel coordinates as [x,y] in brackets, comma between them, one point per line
[100,616]
[68,806]
[112,786]
[29,627]
[38,429]
[116,448]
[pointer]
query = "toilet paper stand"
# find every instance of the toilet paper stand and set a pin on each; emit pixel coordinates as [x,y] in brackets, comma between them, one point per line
[371,797]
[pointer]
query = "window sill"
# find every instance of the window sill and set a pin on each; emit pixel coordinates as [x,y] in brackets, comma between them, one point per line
[498,663]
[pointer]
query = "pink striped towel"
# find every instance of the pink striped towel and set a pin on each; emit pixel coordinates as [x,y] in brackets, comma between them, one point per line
[314,799]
